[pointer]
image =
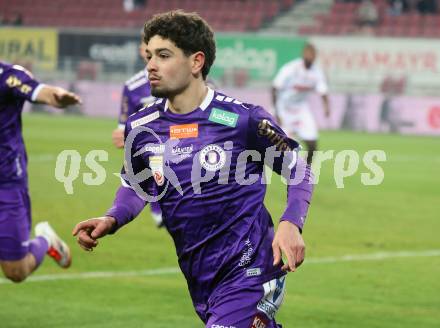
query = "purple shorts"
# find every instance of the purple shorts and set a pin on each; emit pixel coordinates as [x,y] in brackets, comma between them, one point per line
[245,307]
[15,223]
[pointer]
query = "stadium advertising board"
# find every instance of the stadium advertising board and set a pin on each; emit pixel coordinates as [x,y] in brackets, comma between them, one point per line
[370,62]
[257,57]
[31,47]
[381,113]
[115,50]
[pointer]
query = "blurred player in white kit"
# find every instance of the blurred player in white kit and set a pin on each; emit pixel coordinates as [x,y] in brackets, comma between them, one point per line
[290,90]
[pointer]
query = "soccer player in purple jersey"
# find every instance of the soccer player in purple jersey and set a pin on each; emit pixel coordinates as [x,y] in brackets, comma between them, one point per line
[204,153]
[135,96]
[20,255]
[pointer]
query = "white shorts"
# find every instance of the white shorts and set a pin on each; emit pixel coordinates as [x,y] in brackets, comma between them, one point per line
[297,120]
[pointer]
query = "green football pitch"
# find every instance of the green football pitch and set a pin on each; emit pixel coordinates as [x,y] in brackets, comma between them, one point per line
[373,252]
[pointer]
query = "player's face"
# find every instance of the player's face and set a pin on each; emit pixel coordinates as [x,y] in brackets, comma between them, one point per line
[169,70]
[309,56]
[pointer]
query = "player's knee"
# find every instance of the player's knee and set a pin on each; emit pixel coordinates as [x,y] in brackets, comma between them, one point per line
[15,273]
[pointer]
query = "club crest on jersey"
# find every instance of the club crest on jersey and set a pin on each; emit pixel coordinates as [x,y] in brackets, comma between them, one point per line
[156,166]
[212,157]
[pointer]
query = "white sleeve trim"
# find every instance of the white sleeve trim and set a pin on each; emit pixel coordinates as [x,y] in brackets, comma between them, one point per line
[37,91]
[121,127]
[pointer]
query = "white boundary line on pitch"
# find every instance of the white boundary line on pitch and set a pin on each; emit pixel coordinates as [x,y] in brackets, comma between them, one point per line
[168,271]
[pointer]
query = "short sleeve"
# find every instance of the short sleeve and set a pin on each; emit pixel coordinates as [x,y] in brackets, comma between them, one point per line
[20,83]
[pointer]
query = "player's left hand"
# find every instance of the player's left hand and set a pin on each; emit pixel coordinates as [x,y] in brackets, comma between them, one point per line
[288,242]
[64,98]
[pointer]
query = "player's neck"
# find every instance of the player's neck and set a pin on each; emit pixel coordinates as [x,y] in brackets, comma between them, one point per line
[189,99]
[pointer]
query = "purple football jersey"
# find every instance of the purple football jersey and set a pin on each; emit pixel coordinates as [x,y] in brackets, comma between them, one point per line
[135,95]
[207,167]
[16,86]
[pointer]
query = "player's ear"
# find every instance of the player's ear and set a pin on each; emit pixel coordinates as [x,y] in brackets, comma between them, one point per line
[197,62]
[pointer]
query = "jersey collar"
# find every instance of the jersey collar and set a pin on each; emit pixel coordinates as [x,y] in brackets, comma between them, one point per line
[205,103]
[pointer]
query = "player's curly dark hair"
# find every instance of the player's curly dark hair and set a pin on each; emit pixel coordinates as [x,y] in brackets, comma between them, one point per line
[188,31]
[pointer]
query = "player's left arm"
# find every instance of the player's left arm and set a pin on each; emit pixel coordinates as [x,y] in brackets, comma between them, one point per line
[280,153]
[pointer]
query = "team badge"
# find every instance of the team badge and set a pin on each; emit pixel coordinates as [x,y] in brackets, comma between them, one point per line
[212,157]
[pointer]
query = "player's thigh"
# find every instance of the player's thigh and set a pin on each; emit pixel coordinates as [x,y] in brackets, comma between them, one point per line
[15,224]
[250,307]
[307,128]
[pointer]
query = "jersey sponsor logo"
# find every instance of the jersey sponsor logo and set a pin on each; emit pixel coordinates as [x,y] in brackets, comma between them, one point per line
[155,149]
[184,131]
[144,120]
[266,129]
[273,297]
[182,152]
[156,166]
[259,321]
[223,117]
[212,157]
[14,82]
[221,326]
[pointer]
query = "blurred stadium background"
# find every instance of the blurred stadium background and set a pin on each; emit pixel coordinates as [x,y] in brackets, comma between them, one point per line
[382,61]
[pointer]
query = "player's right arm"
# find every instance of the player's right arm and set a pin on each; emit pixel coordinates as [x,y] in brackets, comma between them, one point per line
[127,203]
[87,232]
[126,206]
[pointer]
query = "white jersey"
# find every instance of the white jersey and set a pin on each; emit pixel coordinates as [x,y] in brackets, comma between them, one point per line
[294,83]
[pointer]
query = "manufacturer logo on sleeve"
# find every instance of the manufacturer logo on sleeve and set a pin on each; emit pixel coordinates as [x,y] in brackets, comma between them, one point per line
[223,117]
[184,131]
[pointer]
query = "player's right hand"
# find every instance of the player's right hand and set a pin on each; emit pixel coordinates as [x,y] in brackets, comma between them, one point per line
[87,232]
[118,138]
